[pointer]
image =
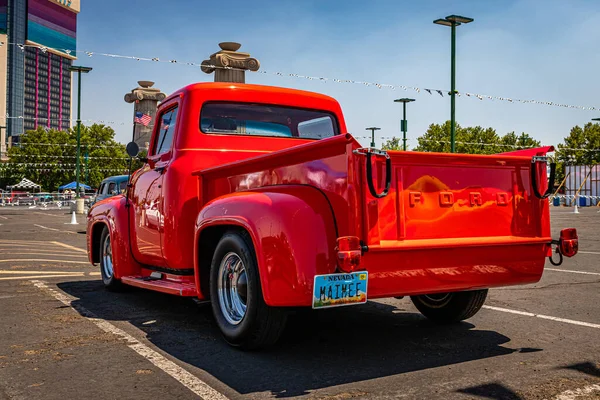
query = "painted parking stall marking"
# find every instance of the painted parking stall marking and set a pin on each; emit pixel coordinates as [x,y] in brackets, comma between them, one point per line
[191,382]
[548,317]
[573,272]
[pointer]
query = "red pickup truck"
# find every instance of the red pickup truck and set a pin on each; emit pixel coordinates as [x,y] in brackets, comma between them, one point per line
[257,199]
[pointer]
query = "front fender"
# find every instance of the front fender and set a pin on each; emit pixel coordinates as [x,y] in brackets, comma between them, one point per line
[112,212]
[293,232]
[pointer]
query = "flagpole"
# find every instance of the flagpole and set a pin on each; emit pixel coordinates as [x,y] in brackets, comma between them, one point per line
[130,164]
[133,131]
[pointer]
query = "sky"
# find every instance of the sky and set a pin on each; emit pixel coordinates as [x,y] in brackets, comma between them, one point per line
[523,49]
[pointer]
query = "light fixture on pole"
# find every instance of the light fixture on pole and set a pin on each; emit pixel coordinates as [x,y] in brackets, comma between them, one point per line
[373,129]
[453,21]
[403,123]
[79,70]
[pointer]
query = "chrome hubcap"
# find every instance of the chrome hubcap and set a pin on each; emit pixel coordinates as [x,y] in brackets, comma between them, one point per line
[437,300]
[107,264]
[232,288]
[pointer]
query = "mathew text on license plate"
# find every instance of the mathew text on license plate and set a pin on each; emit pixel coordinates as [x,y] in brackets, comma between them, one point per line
[334,290]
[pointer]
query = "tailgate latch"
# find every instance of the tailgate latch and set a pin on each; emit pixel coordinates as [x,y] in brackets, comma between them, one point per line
[534,177]
[388,170]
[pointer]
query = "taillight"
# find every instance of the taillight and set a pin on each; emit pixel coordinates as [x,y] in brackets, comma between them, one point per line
[569,242]
[348,253]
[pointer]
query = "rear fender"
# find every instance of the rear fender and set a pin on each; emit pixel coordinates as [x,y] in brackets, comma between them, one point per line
[293,232]
[112,212]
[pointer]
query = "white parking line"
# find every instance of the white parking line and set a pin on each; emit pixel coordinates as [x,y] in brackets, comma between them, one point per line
[43,254]
[45,227]
[43,260]
[3,272]
[192,382]
[573,272]
[26,241]
[575,393]
[528,314]
[52,215]
[52,229]
[70,247]
[14,278]
[589,252]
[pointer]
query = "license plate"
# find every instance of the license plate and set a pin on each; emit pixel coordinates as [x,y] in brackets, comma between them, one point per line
[335,290]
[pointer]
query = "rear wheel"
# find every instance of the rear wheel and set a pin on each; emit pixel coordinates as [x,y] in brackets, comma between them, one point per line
[446,308]
[106,262]
[236,295]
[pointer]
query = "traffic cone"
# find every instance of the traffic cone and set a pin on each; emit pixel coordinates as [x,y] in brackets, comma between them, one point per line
[73,219]
[576,210]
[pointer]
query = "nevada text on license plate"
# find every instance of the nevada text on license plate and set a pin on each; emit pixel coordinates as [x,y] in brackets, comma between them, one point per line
[335,290]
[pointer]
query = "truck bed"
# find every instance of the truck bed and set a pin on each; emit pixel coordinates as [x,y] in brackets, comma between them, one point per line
[449,222]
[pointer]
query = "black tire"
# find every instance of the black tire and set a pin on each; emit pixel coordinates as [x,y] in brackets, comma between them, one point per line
[108,277]
[446,308]
[261,325]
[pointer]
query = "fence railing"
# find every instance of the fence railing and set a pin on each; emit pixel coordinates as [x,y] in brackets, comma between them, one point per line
[42,200]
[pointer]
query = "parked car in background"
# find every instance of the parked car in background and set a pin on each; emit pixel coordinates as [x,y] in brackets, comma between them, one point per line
[112,186]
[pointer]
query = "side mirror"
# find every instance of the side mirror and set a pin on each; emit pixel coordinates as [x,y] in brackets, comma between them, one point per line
[132,149]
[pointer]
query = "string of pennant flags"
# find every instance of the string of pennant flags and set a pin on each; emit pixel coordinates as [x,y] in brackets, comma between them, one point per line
[47,169]
[46,164]
[72,145]
[430,91]
[514,146]
[69,156]
[41,119]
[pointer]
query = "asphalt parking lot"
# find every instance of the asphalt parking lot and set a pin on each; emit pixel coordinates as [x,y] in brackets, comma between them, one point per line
[62,336]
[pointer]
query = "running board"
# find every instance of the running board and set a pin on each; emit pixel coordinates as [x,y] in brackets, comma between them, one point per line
[185,289]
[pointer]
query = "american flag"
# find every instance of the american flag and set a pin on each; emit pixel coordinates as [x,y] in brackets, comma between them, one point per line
[143,119]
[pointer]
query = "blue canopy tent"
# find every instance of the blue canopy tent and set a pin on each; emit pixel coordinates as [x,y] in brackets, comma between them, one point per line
[73,186]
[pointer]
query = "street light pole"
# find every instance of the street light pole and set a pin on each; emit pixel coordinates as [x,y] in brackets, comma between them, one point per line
[372,129]
[453,89]
[403,123]
[3,144]
[453,21]
[79,71]
[87,169]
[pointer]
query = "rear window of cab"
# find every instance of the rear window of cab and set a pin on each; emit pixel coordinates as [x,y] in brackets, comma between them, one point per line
[266,120]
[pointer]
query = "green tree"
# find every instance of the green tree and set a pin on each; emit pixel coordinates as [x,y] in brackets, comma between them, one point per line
[472,140]
[582,144]
[511,141]
[48,157]
[392,144]
[581,147]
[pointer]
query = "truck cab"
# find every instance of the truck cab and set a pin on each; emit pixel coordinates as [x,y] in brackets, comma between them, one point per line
[257,199]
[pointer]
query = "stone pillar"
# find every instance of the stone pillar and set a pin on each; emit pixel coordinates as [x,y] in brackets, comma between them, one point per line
[145,99]
[230,57]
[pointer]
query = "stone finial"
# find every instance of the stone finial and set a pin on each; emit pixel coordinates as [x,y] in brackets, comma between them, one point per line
[229,65]
[145,99]
[145,91]
[230,46]
[146,84]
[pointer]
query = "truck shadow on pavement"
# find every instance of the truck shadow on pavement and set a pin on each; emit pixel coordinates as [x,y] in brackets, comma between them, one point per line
[318,350]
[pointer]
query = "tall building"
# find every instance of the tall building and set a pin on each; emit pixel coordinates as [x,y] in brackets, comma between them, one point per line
[35,82]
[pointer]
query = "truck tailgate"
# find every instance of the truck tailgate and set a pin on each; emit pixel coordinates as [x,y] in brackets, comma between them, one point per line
[453,222]
[439,196]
